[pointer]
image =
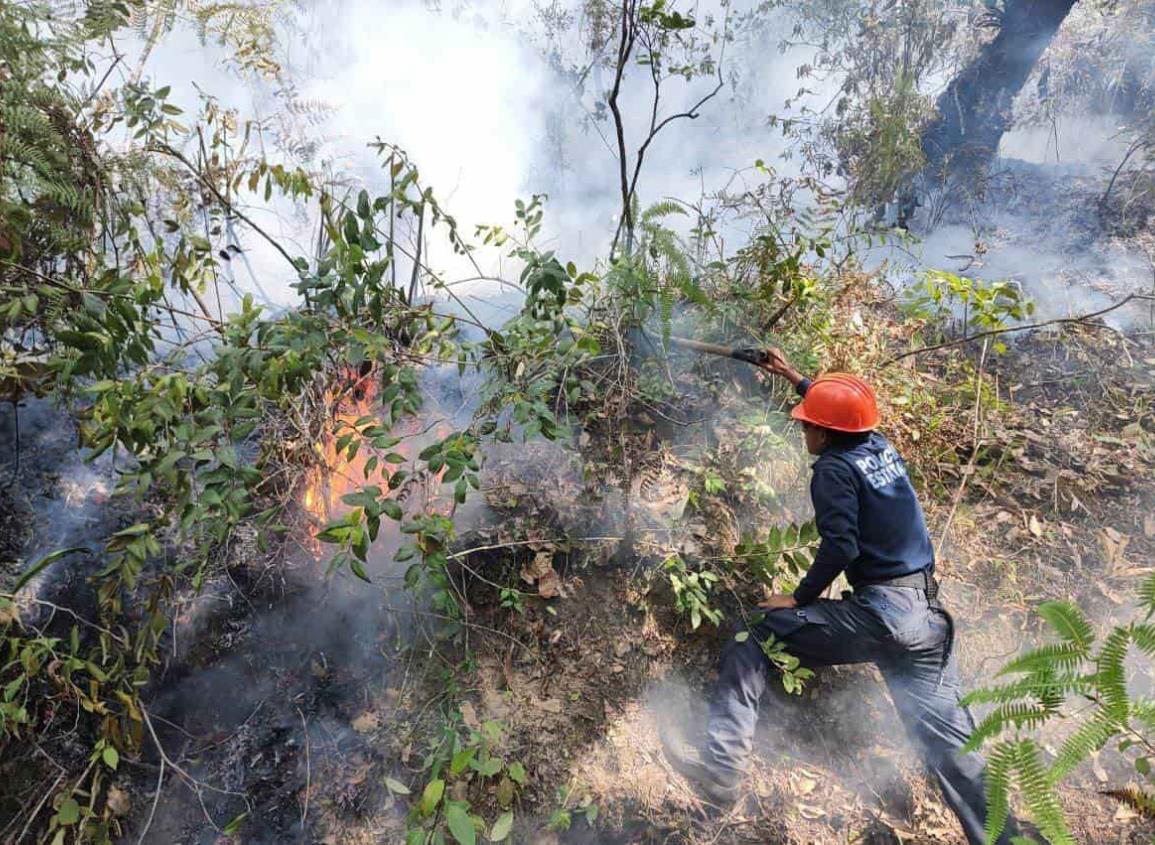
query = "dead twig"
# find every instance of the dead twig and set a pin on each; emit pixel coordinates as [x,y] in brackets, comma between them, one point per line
[968,471]
[155,802]
[1135,146]
[308,770]
[430,614]
[58,608]
[228,206]
[197,785]
[39,806]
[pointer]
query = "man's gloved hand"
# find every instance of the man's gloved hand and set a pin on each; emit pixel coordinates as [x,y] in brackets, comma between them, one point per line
[778,602]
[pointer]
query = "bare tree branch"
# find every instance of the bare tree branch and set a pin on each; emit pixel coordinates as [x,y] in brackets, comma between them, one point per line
[625,48]
[629,186]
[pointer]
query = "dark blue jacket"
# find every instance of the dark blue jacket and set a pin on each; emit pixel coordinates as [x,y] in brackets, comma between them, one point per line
[867,514]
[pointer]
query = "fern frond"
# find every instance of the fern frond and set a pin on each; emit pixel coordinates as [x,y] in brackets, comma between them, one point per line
[1063,655]
[1046,811]
[1144,711]
[1015,715]
[1111,677]
[1089,738]
[1048,689]
[997,784]
[1147,595]
[662,209]
[1137,799]
[1069,622]
[666,309]
[1143,635]
[21,151]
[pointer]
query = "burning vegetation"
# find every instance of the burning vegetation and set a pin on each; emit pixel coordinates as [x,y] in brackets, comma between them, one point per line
[418,560]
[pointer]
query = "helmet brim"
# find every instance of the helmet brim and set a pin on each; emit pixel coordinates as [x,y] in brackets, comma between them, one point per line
[798,412]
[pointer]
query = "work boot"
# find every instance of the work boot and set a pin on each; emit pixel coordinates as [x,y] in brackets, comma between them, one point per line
[697,766]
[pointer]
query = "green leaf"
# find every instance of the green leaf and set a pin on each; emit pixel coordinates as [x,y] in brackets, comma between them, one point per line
[462,759]
[69,812]
[234,825]
[741,636]
[487,768]
[110,756]
[396,786]
[431,796]
[38,567]
[516,772]
[460,824]
[501,827]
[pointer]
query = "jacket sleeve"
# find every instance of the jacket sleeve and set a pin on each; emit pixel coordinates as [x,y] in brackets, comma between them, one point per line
[834,490]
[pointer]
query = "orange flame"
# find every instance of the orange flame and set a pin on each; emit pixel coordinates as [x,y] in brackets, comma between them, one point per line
[335,475]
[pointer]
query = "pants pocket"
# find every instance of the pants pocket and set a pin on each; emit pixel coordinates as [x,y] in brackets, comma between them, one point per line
[786,621]
[903,612]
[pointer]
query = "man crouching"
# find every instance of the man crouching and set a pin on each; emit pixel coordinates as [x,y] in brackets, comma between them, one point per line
[872,528]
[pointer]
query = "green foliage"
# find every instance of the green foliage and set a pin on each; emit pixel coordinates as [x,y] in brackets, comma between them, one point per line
[49,178]
[536,359]
[692,591]
[790,671]
[1048,678]
[471,759]
[785,553]
[98,240]
[880,145]
[985,306]
[572,801]
[657,276]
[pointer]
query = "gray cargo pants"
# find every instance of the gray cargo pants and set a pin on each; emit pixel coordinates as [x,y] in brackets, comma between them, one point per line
[896,629]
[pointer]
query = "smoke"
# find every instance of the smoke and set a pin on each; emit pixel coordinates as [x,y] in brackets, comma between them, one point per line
[65,493]
[484,100]
[1085,143]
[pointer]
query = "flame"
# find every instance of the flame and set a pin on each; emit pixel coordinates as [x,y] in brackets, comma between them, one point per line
[334,475]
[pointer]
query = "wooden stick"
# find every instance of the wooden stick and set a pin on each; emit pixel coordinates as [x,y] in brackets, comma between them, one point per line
[701,346]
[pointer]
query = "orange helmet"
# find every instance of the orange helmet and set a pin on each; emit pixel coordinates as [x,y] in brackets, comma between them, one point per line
[839,401]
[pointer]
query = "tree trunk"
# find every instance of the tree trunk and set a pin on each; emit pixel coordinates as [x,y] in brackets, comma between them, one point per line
[975,109]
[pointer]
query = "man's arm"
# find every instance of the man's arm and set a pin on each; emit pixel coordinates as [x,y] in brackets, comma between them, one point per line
[835,493]
[777,364]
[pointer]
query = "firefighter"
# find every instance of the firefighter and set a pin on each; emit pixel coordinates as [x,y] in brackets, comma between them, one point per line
[872,529]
